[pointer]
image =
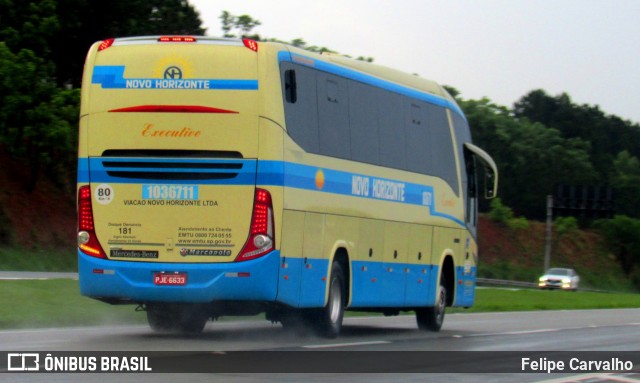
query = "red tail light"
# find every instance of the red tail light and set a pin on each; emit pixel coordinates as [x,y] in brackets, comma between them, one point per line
[261,232]
[177,39]
[106,44]
[87,239]
[251,44]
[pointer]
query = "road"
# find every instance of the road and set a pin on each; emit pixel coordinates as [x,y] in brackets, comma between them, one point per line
[549,331]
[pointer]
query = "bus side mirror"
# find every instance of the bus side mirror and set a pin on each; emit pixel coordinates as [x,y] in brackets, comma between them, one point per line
[490,184]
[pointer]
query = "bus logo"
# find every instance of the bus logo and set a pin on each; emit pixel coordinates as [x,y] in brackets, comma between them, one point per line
[23,362]
[173,73]
[319,179]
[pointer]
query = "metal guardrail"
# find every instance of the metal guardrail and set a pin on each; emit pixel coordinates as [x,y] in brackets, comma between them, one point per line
[503,282]
[18,275]
[509,283]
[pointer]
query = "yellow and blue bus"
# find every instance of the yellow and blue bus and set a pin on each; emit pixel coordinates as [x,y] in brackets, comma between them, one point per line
[234,177]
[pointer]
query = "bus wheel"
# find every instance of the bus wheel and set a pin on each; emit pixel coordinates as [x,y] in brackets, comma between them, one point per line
[431,318]
[188,319]
[161,318]
[295,322]
[193,318]
[328,320]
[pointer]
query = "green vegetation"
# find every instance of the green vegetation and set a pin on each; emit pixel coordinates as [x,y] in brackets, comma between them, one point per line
[566,225]
[545,140]
[504,215]
[606,257]
[621,236]
[529,299]
[540,141]
[20,259]
[57,303]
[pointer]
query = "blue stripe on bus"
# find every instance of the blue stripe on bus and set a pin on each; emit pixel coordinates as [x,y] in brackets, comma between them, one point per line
[374,284]
[466,287]
[94,170]
[112,77]
[368,79]
[301,284]
[341,182]
[206,282]
[274,173]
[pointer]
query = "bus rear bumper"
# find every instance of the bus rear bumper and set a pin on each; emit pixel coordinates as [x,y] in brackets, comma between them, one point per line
[255,280]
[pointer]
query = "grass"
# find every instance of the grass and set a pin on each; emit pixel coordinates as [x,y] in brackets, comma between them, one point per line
[21,259]
[58,303]
[489,299]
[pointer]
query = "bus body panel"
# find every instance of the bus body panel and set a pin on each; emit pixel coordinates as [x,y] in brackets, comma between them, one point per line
[254,280]
[181,162]
[171,131]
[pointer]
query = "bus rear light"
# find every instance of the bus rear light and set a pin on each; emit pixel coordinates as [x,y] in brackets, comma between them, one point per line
[261,231]
[177,39]
[87,239]
[105,44]
[241,274]
[85,210]
[251,44]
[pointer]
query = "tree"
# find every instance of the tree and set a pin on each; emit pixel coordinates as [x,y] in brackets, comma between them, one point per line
[43,45]
[84,22]
[531,157]
[622,235]
[37,119]
[614,143]
[609,135]
[242,25]
[28,25]
[625,179]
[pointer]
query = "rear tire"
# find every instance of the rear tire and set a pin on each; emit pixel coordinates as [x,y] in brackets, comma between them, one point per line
[327,322]
[432,318]
[295,322]
[160,318]
[186,319]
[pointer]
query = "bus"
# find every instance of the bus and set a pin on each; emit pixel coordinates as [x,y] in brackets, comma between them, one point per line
[233,177]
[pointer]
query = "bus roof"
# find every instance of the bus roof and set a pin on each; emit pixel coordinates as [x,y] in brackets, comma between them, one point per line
[383,73]
[413,82]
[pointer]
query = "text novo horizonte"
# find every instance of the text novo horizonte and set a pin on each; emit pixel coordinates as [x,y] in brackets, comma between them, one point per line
[167,84]
[378,188]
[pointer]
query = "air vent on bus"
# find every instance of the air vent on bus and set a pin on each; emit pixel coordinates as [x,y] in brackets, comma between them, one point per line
[161,153]
[172,164]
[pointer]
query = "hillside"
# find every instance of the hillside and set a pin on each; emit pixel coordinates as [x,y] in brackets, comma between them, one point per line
[518,254]
[43,223]
[42,219]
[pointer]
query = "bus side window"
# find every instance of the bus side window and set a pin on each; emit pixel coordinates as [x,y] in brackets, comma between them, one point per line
[290,86]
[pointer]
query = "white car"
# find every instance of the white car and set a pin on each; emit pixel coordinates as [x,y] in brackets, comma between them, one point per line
[559,278]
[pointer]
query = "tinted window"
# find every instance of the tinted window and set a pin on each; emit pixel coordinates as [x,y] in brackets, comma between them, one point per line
[391,129]
[417,134]
[302,116]
[339,117]
[333,116]
[441,146]
[363,123]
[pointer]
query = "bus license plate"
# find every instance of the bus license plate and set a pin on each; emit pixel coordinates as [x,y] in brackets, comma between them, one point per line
[173,279]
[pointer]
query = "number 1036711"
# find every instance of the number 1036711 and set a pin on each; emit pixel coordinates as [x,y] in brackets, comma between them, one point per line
[155,191]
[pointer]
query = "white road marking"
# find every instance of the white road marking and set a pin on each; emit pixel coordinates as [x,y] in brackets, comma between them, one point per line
[335,345]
